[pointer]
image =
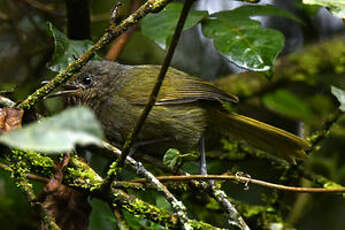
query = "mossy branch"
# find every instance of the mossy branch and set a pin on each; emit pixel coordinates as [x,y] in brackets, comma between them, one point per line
[19,170]
[146,210]
[82,177]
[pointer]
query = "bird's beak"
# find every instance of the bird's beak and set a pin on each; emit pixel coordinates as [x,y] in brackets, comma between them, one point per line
[68,89]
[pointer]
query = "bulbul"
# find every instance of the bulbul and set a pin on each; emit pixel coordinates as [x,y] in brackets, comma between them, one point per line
[187,109]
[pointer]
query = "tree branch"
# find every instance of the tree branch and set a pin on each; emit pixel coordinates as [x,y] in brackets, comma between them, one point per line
[80,176]
[19,171]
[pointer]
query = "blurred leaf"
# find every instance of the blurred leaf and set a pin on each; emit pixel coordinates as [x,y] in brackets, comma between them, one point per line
[340,95]
[13,202]
[171,157]
[242,40]
[66,50]
[162,202]
[141,49]
[213,204]
[137,223]
[284,102]
[59,133]
[310,10]
[160,27]
[101,216]
[337,7]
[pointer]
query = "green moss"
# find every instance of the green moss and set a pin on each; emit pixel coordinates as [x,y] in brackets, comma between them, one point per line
[232,149]
[127,185]
[33,162]
[81,175]
[331,185]
[142,209]
[201,225]
[112,169]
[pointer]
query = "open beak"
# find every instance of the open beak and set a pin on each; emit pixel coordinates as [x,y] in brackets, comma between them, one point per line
[68,89]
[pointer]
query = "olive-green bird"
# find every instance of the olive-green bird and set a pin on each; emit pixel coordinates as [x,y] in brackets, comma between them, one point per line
[187,108]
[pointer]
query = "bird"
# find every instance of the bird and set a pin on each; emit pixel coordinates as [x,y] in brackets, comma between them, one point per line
[187,111]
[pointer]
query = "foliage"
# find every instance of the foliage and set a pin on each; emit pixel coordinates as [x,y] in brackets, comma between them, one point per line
[340,94]
[301,89]
[337,7]
[57,134]
[256,47]
[66,50]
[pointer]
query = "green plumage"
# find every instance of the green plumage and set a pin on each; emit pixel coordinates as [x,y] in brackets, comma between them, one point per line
[186,108]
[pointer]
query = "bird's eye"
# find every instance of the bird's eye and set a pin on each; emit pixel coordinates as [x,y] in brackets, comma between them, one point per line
[87,80]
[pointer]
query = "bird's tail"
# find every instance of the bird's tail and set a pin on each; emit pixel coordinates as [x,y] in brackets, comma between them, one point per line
[263,136]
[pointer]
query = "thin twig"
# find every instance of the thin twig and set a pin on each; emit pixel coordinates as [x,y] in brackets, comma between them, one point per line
[235,218]
[244,180]
[155,91]
[116,49]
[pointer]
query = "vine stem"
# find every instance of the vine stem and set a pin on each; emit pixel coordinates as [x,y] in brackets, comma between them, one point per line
[244,179]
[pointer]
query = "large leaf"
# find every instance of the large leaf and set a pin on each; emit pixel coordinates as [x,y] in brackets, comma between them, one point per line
[285,103]
[66,50]
[340,95]
[242,40]
[262,10]
[59,133]
[239,38]
[337,7]
[160,27]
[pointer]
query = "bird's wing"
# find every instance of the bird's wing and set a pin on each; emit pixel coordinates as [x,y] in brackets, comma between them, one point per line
[177,88]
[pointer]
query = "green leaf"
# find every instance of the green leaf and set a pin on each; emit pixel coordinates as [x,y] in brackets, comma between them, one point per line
[245,12]
[340,95]
[101,216]
[242,40]
[66,50]
[160,27]
[337,7]
[284,102]
[59,133]
[171,157]
[162,202]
